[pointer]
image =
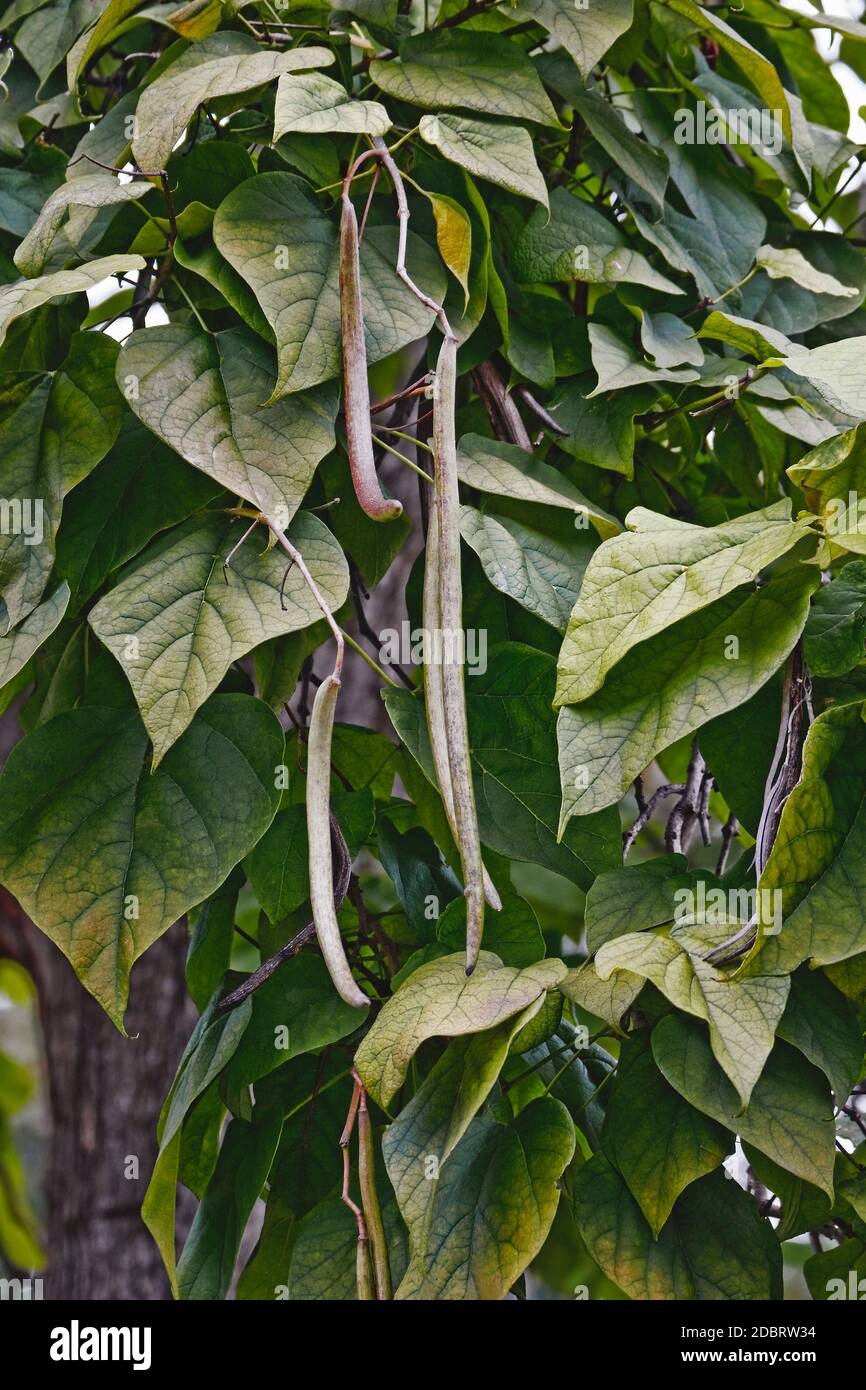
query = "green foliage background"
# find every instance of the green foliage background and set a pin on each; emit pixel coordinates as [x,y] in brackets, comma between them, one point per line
[661,400]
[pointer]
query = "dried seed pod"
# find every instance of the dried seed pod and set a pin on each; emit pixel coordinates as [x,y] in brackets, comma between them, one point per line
[356,390]
[447,503]
[319,835]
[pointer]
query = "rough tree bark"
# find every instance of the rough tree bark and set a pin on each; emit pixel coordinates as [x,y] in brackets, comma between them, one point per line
[105,1094]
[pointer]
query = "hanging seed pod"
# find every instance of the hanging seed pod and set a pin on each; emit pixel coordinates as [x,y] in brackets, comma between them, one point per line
[319,835]
[370,1202]
[356,390]
[447,505]
[434,697]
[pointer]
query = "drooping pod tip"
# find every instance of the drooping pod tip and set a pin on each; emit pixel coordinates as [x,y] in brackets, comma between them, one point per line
[388,510]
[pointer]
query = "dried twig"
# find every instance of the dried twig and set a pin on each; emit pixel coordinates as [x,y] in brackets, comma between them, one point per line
[646,809]
[687,812]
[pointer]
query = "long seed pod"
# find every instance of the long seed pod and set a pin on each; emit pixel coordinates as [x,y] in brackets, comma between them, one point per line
[370,1202]
[447,504]
[319,835]
[355,386]
[434,697]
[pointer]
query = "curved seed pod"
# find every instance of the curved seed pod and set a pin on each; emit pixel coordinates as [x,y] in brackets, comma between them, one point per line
[319,834]
[356,389]
[447,501]
[370,1202]
[434,697]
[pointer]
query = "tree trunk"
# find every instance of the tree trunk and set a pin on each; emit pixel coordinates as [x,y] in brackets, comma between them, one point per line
[105,1094]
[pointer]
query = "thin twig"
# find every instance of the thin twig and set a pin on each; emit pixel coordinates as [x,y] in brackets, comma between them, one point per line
[646,811]
[730,831]
[686,813]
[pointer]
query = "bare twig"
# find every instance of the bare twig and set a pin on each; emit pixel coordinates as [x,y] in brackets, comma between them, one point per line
[730,831]
[646,810]
[549,421]
[686,814]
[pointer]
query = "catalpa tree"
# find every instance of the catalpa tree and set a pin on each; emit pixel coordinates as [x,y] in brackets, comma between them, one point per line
[583,284]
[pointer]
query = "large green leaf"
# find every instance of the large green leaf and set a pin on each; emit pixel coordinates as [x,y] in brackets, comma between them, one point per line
[206,1266]
[833,642]
[539,570]
[91,192]
[212,1043]
[19,645]
[633,898]
[166,106]
[317,105]
[833,477]
[715,1244]
[493,1204]
[644,166]
[50,439]
[618,366]
[601,431]
[788,263]
[473,71]
[667,688]
[501,154]
[834,371]
[439,1000]
[656,573]
[103,856]
[789,1117]
[608,999]
[742,1013]
[22,296]
[656,1139]
[203,396]
[577,243]
[512,741]
[821,1023]
[817,861]
[140,488]
[758,69]
[176,622]
[438,1116]
[508,471]
[272,230]
[586,32]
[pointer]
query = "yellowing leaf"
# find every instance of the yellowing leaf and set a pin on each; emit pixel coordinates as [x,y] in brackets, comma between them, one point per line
[453,237]
[440,1000]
